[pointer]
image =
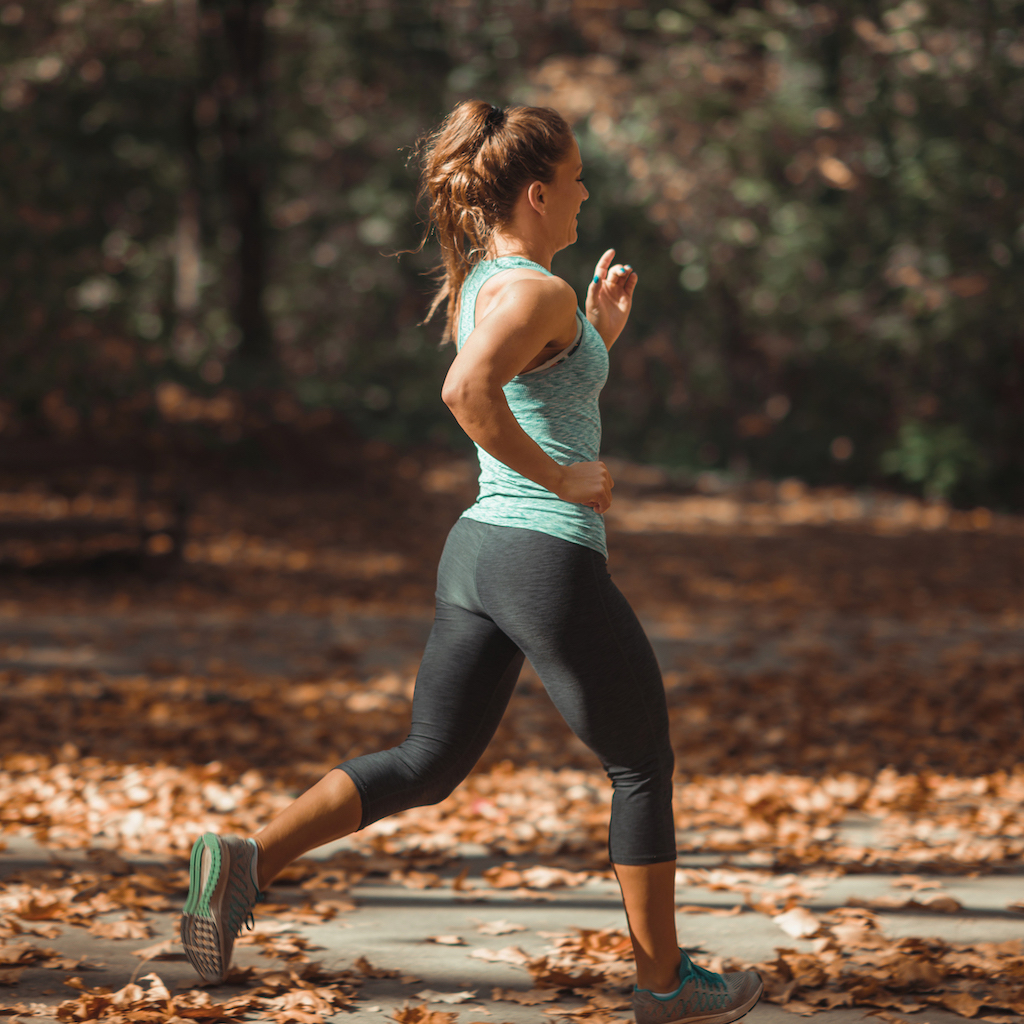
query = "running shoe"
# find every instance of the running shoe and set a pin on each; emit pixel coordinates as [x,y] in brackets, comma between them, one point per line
[703,997]
[221,895]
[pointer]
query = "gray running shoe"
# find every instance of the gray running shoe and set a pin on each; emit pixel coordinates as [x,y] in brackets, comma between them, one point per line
[703,997]
[221,895]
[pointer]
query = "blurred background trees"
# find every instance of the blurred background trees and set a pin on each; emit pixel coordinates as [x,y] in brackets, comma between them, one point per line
[201,199]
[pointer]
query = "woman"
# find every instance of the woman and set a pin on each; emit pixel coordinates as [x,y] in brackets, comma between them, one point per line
[523,571]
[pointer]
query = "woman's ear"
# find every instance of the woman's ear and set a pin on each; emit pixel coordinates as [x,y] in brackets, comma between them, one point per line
[536,197]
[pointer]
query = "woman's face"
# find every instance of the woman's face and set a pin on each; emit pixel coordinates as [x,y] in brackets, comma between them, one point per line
[565,195]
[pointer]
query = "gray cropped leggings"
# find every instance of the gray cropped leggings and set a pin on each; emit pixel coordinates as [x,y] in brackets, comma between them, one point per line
[503,593]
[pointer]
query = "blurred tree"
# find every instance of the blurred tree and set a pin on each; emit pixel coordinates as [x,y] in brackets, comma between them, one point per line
[823,201]
[234,58]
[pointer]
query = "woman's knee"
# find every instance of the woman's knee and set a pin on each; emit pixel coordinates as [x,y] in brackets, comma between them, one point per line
[431,774]
[650,773]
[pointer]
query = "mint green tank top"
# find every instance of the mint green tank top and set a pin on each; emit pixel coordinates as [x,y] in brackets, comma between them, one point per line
[557,405]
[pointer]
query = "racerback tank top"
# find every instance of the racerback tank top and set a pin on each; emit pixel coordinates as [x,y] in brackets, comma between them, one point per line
[557,405]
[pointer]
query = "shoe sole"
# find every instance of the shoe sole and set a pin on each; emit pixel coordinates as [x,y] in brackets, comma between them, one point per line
[200,932]
[723,1018]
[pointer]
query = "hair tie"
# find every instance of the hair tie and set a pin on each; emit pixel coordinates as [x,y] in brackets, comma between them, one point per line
[495,119]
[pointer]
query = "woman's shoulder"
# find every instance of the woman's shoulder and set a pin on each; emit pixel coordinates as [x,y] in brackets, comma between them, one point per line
[526,284]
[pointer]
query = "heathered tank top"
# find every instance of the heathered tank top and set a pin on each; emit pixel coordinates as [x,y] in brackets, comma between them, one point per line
[557,405]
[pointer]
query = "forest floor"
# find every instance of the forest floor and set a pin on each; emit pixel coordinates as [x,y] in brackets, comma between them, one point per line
[846,686]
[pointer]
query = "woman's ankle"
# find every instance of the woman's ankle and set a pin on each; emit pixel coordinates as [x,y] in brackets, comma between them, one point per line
[660,977]
[263,877]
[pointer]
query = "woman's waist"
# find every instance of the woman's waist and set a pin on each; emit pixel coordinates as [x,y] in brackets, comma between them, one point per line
[563,451]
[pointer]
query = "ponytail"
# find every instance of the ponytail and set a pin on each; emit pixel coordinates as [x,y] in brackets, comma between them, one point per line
[475,166]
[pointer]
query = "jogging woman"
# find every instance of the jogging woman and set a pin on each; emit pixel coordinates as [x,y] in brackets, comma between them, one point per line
[523,571]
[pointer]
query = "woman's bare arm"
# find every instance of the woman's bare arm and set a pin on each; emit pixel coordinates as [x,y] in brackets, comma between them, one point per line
[517,326]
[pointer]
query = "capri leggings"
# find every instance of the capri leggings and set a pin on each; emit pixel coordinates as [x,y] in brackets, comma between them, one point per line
[503,593]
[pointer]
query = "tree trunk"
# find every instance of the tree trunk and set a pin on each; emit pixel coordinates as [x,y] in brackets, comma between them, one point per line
[236,53]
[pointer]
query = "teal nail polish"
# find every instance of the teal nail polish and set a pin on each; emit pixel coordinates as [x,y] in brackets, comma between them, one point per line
[596,278]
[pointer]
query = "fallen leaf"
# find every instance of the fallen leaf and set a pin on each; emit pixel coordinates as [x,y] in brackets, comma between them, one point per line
[430,996]
[123,929]
[364,967]
[799,922]
[532,997]
[543,877]
[422,1015]
[504,877]
[961,1002]
[802,1008]
[506,955]
[941,903]
[500,927]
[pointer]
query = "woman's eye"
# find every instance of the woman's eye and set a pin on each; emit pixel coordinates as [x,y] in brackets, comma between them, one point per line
[580,180]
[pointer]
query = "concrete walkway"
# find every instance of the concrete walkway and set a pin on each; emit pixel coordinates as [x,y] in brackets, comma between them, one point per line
[391,925]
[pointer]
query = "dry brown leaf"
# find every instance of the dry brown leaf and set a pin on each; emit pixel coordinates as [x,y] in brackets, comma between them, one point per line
[961,1002]
[446,940]
[364,967]
[504,877]
[416,879]
[940,903]
[937,902]
[532,997]
[24,953]
[799,922]
[422,1015]
[506,955]
[500,927]
[123,929]
[800,1007]
[460,883]
[428,995]
[42,907]
[544,877]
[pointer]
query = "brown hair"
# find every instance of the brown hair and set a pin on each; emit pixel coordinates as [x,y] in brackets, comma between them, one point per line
[475,166]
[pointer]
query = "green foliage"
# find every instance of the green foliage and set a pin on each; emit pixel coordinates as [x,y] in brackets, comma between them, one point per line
[823,202]
[938,457]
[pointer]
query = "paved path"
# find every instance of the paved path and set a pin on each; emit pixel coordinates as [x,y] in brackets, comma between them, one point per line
[391,924]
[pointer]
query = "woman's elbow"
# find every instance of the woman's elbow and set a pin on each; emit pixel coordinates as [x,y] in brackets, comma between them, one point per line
[453,394]
[463,394]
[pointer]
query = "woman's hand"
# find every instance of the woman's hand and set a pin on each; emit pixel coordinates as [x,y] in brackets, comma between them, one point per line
[610,297]
[586,483]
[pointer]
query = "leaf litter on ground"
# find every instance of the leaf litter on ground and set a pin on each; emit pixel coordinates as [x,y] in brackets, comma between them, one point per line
[140,769]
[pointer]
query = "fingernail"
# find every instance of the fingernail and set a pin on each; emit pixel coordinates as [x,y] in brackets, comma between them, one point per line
[596,278]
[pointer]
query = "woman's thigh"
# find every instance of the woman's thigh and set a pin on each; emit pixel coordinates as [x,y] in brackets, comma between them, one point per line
[556,601]
[465,679]
[464,683]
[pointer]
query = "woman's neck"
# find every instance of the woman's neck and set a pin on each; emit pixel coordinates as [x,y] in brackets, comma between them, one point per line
[514,245]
